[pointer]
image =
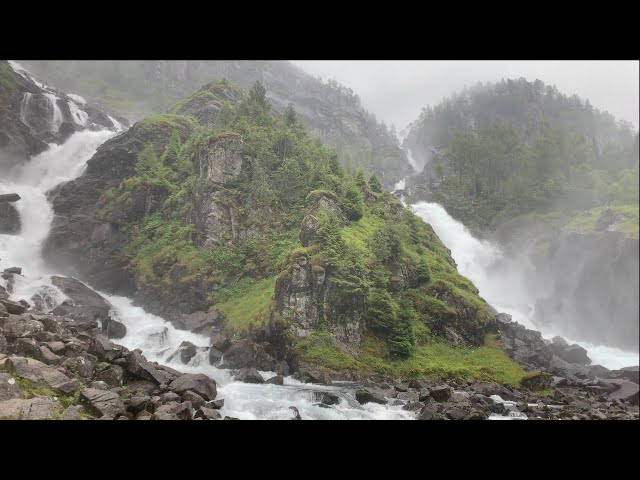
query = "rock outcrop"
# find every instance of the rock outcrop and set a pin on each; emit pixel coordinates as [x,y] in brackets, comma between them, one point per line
[10,223]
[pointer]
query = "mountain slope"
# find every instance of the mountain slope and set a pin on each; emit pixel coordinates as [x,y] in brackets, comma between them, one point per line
[332,112]
[248,218]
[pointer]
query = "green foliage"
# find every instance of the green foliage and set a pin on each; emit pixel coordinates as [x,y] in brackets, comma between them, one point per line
[423,271]
[247,303]
[382,310]
[402,339]
[352,202]
[290,115]
[375,185]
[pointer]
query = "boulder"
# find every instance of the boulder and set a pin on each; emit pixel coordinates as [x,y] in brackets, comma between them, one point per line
[215,356]
[186,351]
[198,383]
[571,353]
[114,329]
[10,223]
[207,414]
[41,374]
[537,381]
[296,413]
[12,307]
[106,403]
[370,395]
[276,380]
[83,304]
[199,322]
[220,341]
[9,197]
[326,398]
[196,400]
[139,366]
[48,357]
[246,353]
[8,387]
[38,408]
[441,393]
[627,392]
[83,365]
[249,375]
[112,376]
[174,411]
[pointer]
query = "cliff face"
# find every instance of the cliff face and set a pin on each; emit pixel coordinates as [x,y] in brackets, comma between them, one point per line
[331,112]
[32,115]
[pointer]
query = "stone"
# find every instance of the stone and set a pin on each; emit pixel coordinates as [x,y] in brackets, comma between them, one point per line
[440,393]
[249,375]
[112,376]
[296,413]
[246,353]
[628,392]
[326,398]
[99,385]
[276,380]
[114,329]
[169,397]
[199,322]
[196,400]
[10,222]
[83,364]
[139,366]
[220,341]
[630,373]
[218,404]
[207,414]
[455,413]
[106,403]
[14,308]
[38,408]
[83,305]
[74,412]
[415,384]
[174,411]
[537,381]
[186,351]
[26,347]
[198,383]
[215,356]
[8,387]
[105,349]
[9,197]
[41,374]
[369,395]
[55,347]
[571,353]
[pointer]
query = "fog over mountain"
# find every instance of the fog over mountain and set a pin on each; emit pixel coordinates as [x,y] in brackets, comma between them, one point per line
[207,240]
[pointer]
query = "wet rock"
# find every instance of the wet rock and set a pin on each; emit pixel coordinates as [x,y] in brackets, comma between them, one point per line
[326,398]
[114,329]
[246,353]
[9,197]
[12,307]
[441,393]
[199,322]
[41,374]
[276,380]
[107,404]
[218,404]
[83,304]
[186,351]
[430,412]
[220,342]
[206,413]
[198,383]
[249,375]
[370,395]
[311,375]
[105,349]
[10,223]
[296,413]
[215,356]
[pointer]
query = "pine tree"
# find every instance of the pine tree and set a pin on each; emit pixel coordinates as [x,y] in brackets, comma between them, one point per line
[290,115]
[374,184]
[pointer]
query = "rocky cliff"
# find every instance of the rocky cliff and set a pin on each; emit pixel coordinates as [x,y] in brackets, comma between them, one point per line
[331,111]
[33,115]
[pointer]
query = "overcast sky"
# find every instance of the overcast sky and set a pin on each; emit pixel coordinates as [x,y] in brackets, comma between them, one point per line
[396,90]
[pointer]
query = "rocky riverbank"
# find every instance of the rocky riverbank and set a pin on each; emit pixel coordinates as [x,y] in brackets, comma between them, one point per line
[64,365]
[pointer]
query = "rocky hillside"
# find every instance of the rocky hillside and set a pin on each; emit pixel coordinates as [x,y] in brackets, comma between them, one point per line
[330,111]
[33,115]
[236,216]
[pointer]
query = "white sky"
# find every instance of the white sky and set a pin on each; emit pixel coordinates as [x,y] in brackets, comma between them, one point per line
[397,90]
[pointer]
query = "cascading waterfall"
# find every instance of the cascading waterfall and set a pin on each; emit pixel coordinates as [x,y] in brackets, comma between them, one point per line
[24,107]
[79,116]
[57,117]
[153,335]
[501,281]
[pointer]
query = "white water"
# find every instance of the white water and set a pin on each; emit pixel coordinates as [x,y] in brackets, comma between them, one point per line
[24,107]
[156,338]
[79,116]
[501,282]
[119,127]
[76,98]
[57,118]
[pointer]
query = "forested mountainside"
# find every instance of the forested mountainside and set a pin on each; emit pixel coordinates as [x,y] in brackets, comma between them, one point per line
[498,151]
[331,111]
[553,179]
[247,215]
